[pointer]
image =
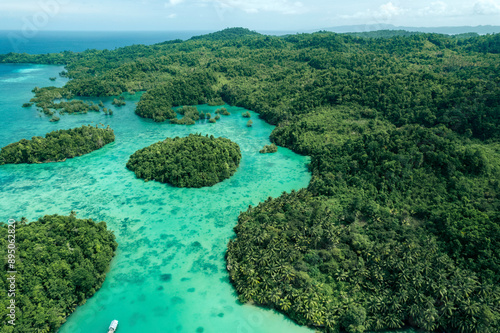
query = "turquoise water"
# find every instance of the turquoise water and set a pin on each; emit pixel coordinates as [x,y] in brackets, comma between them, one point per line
[169,271]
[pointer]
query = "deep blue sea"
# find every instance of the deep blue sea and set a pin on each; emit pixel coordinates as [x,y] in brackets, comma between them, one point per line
[41,42]
[57,41]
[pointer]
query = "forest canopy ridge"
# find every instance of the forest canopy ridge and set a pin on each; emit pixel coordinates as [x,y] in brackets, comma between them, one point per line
[228,33]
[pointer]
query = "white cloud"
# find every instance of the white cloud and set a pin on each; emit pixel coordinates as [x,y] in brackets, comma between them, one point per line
[384,12]
[172,3]
[434,9]
[486,7]
[389,10]
[171,16]
[257,6]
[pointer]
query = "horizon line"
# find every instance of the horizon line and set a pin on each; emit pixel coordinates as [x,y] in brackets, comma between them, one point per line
[277,30]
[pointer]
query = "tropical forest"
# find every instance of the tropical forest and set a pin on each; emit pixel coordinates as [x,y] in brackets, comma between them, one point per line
[57,145]
[62,261]
[192,161]
[400,223]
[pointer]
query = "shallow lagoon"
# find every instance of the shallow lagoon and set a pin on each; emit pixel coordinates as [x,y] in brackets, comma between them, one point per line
[169,272]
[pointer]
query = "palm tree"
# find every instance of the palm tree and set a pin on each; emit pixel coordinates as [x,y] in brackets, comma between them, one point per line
[393,321]
[378,323]
[469,307]
[288,273]
[448,308]
[253,280]
[331,322]
[285,304]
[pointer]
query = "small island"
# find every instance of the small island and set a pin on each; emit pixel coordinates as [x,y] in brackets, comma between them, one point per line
[269,149]
[189,115]
[60,262]
[57,145]
[192,161]
[119,101]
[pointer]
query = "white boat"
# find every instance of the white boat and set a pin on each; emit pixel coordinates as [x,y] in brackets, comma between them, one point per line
[113,326]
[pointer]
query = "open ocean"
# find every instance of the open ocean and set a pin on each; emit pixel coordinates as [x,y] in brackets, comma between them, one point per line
[77,41]
[58,41]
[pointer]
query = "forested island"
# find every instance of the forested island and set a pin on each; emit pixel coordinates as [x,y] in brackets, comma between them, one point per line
[269,149]
[61,261]
[57,145]
[192,161]
[400,224]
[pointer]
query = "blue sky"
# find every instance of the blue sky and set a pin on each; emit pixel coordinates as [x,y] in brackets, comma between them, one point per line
[261,15]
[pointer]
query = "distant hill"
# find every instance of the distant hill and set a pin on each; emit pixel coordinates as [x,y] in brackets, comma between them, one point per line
[225,34]
[384,33]
[363,28]
[402,33]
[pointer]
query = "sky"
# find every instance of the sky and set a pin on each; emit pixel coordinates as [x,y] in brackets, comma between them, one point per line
[259,15]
